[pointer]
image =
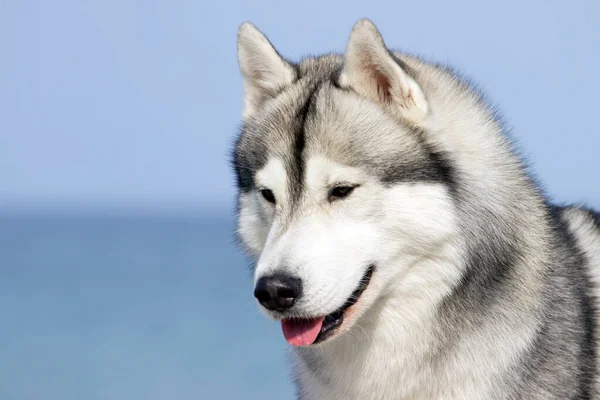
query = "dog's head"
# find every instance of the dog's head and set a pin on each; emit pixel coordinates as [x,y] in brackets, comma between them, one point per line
[340,190]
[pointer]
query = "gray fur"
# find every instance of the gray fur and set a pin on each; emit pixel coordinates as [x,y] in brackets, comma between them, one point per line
[527,288]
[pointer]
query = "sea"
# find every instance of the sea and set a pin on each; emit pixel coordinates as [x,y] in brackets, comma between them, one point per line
[118,307]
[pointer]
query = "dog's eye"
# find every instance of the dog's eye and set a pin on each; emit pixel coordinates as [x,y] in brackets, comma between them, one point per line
[268,195]
[340,192]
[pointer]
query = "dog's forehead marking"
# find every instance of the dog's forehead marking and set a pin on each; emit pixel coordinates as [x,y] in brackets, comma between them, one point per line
[277,129]
[314,117]
[279,132]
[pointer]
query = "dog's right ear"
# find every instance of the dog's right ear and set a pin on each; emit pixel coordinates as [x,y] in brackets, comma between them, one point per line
[264,71]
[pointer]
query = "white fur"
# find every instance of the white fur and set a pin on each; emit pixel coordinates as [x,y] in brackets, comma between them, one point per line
[256,214]
[330,245]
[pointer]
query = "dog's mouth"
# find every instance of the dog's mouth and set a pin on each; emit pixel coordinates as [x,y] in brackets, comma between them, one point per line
[307,331]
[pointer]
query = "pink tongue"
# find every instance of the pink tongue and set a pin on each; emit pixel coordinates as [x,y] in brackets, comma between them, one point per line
[301,332]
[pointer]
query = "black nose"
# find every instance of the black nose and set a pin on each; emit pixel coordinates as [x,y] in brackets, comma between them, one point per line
[278,292]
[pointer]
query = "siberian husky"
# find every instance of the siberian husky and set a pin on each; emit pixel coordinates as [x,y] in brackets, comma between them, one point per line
[398,237]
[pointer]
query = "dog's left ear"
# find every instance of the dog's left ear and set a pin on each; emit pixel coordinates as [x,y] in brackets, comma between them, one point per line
[371,71]
[263,70]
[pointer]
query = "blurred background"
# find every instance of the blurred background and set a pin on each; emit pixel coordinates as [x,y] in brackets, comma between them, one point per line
[119,278]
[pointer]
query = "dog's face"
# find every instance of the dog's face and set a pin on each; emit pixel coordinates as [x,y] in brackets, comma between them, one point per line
[339,193]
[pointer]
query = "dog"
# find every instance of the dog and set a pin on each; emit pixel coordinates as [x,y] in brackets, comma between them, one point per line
[399,238]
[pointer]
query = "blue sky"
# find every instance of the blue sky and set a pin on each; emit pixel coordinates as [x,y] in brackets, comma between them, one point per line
[122,103]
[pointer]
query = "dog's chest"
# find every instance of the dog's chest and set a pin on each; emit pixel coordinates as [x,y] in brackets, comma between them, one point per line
[353,375]
[382,375]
